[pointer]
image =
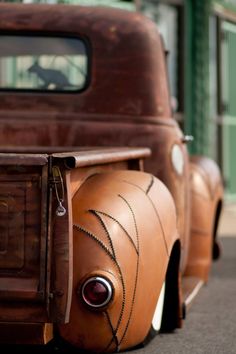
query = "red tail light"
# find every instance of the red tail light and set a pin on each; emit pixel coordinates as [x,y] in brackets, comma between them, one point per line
[97,292]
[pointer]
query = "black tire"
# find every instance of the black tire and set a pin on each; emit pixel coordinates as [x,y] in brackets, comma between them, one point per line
[172,307]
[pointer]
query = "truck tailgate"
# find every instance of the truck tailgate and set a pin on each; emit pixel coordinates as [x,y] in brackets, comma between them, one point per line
[23,221]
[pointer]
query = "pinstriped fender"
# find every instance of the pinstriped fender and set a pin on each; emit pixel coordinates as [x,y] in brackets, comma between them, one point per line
[207,196]
[124,227]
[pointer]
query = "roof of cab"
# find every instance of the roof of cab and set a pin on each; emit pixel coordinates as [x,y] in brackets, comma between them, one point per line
[127,58]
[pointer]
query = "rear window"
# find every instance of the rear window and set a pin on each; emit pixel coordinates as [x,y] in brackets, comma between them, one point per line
[42,63]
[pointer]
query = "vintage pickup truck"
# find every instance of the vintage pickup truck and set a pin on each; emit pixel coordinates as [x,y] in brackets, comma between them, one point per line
[107,226]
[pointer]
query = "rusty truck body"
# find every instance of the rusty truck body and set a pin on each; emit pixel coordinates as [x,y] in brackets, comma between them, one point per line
[100,204]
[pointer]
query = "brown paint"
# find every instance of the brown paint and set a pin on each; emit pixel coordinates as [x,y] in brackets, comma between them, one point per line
[126,103]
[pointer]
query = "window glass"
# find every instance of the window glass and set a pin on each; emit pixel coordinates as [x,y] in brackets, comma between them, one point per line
[42,63]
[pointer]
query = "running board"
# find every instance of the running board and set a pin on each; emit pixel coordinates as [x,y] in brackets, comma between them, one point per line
[190,288]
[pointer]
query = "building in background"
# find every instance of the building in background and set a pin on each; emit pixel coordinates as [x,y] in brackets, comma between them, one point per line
[223,77]
[200,36]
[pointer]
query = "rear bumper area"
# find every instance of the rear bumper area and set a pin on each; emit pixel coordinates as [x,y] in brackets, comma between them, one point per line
[26,333]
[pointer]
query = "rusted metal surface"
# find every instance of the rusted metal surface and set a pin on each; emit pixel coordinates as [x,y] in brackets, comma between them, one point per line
[135,111]
[62,235]
[23,212]
[113,35]
[33,333]
[101,156]
[124,238]
[24,190]
[61,253]
[22,160]
[22,196]
[119,107]
[127,104]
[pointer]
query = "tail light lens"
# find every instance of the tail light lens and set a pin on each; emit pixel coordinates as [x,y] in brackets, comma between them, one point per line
[97,292]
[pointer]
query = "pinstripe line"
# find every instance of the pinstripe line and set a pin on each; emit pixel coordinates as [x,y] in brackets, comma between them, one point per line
[114,333]
[105,248]
[155,210]
[94,212]
[137,269]
[121,226]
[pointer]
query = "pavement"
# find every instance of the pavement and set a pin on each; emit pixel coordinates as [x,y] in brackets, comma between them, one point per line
[227,224]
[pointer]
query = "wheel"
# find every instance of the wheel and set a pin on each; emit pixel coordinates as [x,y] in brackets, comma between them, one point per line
[216,252]
[168,313]
[157,317]
[158,313]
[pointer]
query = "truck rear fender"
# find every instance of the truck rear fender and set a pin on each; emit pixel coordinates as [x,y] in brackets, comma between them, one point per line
[124,228]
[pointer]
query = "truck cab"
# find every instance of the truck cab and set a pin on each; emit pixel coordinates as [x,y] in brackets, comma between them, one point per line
[84,101]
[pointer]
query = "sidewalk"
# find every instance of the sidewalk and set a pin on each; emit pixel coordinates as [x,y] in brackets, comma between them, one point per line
[227,225]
